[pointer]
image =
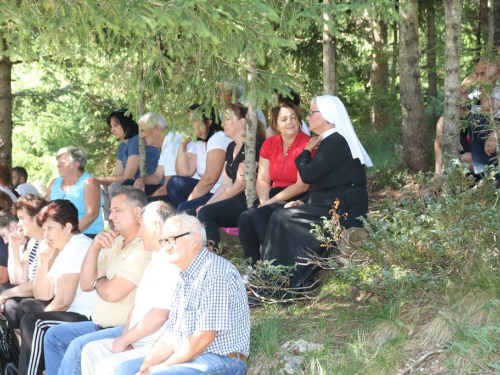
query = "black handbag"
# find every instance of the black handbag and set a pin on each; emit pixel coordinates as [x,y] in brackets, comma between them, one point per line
[9,350]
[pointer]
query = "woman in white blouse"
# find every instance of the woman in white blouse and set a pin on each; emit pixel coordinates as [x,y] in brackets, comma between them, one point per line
[61,284]
[199,164]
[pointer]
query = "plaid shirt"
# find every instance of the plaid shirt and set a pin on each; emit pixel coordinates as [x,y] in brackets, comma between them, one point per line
[210,296]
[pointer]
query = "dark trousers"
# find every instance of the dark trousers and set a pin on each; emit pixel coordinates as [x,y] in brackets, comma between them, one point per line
[148,189]
[28,305]
[179,189]
[225,213]
[252,225]
[11,309]
[33,328]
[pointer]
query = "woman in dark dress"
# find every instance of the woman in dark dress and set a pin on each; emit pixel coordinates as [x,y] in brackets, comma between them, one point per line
[337,171]
[229,201]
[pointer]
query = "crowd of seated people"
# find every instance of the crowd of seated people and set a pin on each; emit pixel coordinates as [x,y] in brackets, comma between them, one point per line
[146,295]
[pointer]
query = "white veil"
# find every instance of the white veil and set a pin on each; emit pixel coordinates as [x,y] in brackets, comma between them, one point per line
[333,111]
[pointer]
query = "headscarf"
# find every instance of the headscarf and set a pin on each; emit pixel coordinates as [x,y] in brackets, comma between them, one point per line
[333,111]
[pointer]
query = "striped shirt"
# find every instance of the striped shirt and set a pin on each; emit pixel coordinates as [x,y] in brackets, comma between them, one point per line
[32,262]
[210,296]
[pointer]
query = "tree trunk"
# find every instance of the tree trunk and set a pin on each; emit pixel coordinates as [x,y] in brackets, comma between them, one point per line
[5,106]
[141,108]
[416,140]
[250,133]
[431,50]
[483,19]
[328,57]
[451,113]
[379,75]
[496,23]
[395,53]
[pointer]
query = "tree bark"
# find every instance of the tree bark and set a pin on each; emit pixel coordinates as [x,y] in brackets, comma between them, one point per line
[329,80]
[496,23]
[141,108]
[451,113]
[5,105]
[250,133]
[483,20]
[395,52]
[416,139]
[431,50]
[379,75]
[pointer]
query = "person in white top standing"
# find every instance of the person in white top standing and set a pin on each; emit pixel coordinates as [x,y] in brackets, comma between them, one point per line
[153,129]
[20,182]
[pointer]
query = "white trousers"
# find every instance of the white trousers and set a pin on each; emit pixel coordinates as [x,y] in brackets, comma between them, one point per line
[98,358]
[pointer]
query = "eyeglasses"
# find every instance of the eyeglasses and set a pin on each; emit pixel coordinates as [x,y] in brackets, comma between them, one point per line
[172,240]
[312,112]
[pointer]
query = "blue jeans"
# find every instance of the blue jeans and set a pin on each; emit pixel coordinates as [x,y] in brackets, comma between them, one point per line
[63,345]
[179,189]
[205,364]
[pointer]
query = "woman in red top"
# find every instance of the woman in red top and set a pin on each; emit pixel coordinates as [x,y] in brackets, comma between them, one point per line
[277,180]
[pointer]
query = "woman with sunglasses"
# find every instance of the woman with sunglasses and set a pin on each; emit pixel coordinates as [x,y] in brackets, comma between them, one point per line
[277,177]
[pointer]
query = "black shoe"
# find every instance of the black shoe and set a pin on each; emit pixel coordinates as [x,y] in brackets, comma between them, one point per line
[253,301]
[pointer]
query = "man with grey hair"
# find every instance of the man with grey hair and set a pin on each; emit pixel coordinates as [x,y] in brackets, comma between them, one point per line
[153,129]
[113,266]
[209,325]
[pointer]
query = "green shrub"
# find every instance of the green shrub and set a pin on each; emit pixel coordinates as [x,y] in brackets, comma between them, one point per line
[421,241]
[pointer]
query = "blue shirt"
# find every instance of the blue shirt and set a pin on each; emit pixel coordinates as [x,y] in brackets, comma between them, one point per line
[126,150]
[75,194]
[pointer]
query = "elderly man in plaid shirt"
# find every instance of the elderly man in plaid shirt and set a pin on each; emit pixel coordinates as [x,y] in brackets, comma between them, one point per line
[209,326]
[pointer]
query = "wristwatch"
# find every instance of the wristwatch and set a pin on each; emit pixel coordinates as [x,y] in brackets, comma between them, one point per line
[96,280]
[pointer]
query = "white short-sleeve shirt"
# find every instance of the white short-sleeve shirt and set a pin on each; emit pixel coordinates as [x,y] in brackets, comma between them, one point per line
[216,141]
[155,291]
[169,153]
[27,188]
[69,261]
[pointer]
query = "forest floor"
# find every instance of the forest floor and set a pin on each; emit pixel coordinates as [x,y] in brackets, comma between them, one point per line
[358,332]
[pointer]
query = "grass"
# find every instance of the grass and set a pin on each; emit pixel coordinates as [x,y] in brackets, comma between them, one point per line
[382,331]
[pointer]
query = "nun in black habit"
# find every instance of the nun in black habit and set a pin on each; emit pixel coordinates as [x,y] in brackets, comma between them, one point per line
[337,171]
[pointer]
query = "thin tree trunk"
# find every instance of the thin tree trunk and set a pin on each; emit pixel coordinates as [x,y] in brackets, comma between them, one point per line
[451,114]
[478,28]
[379,75]
[328,57]
[395,53]
[491,27]
[483,18]
[250,133]
[141,108]
[431,50]
[496,23]
[416,140]
[5,105]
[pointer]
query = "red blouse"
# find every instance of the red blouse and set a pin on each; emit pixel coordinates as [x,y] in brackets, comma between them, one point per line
[282,169]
